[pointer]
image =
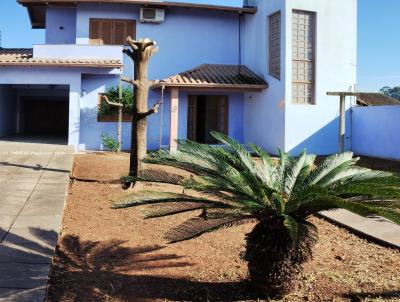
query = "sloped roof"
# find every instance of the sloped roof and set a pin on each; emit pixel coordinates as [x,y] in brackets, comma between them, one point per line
[37,13]
[376,99]
[24,57]
[235,77]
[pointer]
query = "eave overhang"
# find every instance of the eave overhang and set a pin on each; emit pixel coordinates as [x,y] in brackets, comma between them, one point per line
[37,8]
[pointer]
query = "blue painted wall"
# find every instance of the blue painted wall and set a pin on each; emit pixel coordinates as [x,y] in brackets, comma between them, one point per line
[376,131]
[181,48]
[60,25]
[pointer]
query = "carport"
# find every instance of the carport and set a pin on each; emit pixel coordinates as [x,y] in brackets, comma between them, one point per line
[35,111]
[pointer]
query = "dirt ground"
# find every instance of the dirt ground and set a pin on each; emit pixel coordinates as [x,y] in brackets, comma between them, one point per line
[116,255]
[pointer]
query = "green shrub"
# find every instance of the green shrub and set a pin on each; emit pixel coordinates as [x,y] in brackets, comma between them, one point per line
[113,95]
[110,143]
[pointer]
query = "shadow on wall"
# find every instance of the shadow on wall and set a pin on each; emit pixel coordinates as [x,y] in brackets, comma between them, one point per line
[325,141]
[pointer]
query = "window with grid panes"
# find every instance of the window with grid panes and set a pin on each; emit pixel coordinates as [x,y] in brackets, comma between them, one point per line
[275,45]
[303,57]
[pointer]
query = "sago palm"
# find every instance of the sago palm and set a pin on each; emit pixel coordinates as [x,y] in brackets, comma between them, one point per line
[279,195]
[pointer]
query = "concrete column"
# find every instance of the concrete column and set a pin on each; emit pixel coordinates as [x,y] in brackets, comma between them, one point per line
[74,115]
[342,124]
[173,136]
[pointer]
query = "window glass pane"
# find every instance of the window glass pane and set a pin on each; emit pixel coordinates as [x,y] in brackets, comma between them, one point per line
[303,35]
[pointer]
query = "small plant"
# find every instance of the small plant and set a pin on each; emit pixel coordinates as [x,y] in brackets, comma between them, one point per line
[113,95]
[110,143]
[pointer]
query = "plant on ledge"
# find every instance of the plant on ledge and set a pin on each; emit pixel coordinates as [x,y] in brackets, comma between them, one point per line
[112,93]
[279,195]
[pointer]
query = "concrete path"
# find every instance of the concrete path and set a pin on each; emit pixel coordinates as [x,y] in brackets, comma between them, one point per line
[34,179]
[376,228]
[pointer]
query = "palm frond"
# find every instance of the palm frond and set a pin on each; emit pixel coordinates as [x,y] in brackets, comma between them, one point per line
[330,164]
[172,208]
[292,227]
[154,175]
[293,170]
[197,226]
[152,197]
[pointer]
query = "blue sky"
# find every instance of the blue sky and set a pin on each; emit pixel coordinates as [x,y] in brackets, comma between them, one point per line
[378,44]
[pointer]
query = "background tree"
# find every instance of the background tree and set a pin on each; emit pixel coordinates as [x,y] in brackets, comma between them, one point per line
[279,195]
[391,92]
[117,101]
[141,51]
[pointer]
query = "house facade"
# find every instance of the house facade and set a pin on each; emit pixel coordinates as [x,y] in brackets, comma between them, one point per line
[258,71]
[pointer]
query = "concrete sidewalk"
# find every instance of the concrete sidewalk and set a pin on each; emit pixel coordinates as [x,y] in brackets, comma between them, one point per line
[34,179]
[375,228]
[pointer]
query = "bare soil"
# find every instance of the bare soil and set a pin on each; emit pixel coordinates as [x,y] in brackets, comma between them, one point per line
[116,255]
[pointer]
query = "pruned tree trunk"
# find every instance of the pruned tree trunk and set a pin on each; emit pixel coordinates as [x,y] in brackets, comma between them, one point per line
[141,52]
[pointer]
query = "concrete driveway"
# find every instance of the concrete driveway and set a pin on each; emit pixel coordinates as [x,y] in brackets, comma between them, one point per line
[34,177]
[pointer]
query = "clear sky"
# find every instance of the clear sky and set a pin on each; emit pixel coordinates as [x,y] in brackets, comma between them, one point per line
[378,42]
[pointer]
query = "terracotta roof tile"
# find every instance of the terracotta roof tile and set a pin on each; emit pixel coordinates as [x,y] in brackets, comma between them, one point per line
[216,76]
[24,57]
[376,99]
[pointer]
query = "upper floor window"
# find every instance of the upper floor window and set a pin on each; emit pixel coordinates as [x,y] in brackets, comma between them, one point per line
[275,45]
[110,31]
[303,57]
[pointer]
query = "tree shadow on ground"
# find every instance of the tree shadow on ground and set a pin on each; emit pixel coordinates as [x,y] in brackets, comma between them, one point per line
[107,271]
[22,264]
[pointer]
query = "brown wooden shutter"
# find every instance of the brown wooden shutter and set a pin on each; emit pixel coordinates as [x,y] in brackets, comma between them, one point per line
[106,37]
[191,118]
[94,32]
[130,30]
[111,31]
[119,30]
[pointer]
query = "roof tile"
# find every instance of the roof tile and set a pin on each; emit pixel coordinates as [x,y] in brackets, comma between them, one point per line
[24,57]
[216,76]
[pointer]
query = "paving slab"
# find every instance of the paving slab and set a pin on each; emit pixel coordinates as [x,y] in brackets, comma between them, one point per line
[10,209]
[33,187]
[22,295]
[26,235]
[25,253]
[377,228]
[6,221]
[51,222]
[45,200]
[11,199]
[23,275]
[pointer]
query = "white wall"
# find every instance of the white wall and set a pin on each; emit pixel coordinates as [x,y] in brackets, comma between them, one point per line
[376,131]
[8,110]
[264,115]
[315,127]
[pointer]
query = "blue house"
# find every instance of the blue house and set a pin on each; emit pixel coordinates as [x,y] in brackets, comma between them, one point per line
[255,70]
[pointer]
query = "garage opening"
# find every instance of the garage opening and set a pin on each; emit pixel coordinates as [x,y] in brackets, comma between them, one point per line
[36,112]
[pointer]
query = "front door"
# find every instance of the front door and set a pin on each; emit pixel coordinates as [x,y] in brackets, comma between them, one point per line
[207,113]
